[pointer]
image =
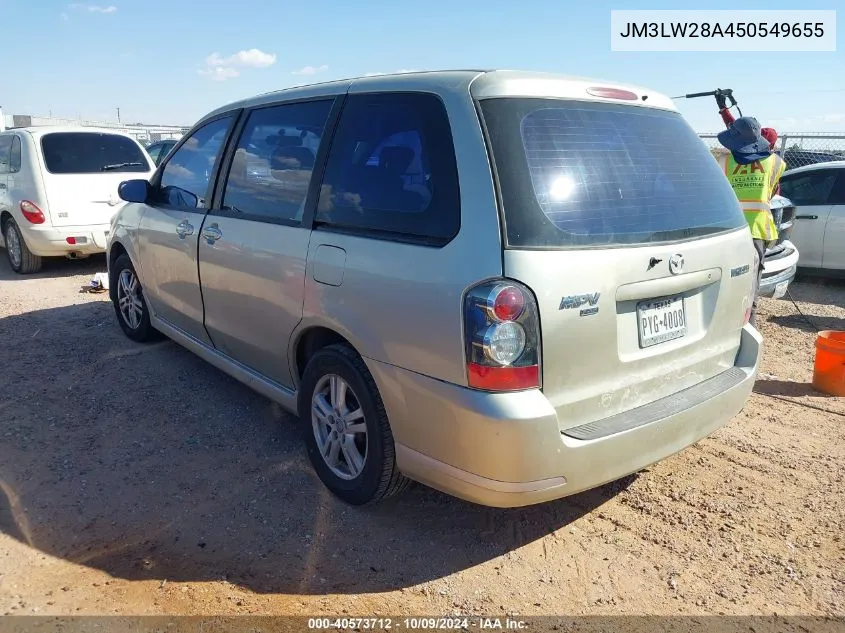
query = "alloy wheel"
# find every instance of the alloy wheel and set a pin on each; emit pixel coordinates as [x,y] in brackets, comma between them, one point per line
[339,426]
[13,244]
[129,298]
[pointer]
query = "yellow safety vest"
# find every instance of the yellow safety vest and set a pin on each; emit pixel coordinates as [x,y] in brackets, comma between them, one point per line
[754,184]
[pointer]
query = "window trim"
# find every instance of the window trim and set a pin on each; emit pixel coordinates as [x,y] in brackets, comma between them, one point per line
[820,173]
[838,187]
[216,209]
[385,235]
[155,180]
[16,139]
[9,161]
[152,145]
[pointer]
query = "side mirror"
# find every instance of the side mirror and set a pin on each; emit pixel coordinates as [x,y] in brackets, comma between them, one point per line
[134,190]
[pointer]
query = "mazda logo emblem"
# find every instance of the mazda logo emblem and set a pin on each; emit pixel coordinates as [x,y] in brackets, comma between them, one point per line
[676,264]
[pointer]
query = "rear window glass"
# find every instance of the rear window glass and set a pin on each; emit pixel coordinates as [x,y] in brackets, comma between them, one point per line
[594,174]
[91,153]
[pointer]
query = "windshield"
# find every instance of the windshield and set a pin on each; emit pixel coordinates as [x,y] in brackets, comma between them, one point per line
[594,174]
[91,153]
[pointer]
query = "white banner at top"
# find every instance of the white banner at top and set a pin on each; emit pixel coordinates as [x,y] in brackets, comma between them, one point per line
[723,30]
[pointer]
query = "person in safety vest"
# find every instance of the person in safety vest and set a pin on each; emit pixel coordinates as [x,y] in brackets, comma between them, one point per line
[769,133]
[753,170]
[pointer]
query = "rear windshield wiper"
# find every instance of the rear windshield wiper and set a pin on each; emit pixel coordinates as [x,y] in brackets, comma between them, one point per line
[119,166]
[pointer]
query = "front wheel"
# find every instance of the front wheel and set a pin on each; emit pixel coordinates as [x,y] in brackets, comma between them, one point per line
[128,300]
[347,432]
[21,259]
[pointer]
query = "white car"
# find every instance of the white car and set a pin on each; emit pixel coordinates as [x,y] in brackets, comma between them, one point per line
[782,255]
[818,192]
[58,190]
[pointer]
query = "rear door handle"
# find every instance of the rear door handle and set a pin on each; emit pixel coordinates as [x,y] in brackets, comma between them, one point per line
[212,233]
[806,217]
[184,228]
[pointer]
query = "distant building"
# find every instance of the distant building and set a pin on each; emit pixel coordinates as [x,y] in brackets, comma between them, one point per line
[144,132]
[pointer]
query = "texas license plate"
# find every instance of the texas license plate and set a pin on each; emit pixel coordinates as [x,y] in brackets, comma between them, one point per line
[661,320]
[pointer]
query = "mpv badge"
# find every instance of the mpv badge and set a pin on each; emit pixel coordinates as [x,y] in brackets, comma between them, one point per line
[676,264]
[576,301]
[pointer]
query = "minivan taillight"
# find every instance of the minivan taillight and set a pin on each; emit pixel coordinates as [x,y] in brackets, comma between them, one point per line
[31,212]
[502,337]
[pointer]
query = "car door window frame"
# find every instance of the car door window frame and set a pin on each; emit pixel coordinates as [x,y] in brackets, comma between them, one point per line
[309,209]
[155,181]
[836,197]
[14,167]
[8,158]
[382,234]
[158,154]
[815,173]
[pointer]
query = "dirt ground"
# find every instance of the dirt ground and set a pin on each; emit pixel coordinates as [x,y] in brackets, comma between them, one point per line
[141,480]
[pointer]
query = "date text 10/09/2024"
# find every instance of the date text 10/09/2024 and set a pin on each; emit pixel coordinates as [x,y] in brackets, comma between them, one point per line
[731,29]
[419,624]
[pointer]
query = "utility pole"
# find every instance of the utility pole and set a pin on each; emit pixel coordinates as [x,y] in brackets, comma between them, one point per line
[118,114]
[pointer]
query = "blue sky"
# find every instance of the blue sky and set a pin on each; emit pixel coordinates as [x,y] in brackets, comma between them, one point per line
[171,61]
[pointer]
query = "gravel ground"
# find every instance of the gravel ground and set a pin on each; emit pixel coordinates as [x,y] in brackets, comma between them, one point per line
[140,480]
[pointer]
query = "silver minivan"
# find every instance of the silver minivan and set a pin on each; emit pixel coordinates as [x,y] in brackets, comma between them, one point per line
[508,286]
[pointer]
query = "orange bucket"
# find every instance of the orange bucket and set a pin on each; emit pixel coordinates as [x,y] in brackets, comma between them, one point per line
[829,369]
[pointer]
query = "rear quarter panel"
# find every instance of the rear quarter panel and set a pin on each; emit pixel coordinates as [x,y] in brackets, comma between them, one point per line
[29,181]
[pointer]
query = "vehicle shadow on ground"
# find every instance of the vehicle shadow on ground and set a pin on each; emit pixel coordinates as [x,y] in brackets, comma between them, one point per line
[787,388]
[146,462]
[55,267]
[808,322]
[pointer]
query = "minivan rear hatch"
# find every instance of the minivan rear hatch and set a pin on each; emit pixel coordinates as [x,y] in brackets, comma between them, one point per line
[619,220]
[83,171]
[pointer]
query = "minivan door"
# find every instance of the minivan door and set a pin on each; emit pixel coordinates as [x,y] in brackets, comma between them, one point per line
[170,227]
[621,223]
[253,248]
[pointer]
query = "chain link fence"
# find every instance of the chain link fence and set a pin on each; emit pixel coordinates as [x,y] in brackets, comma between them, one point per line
[800,149]
[144,133]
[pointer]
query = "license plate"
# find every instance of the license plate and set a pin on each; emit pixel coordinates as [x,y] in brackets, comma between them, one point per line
[661,320]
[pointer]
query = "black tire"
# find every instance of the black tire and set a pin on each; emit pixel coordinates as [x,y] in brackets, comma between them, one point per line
[138,327]
[379,478]
[28,262]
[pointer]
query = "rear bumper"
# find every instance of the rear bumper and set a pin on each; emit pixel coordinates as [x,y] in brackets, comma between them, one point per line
[51,241]
[507,450]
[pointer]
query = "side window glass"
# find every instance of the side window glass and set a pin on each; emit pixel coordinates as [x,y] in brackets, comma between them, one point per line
[272,165]
[15,161]
[154,151]
[165,150]
[185,178]
[837,194]
[392,169]
[5,153]
[809,189]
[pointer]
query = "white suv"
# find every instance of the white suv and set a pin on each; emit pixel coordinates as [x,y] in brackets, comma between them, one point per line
[58,190]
